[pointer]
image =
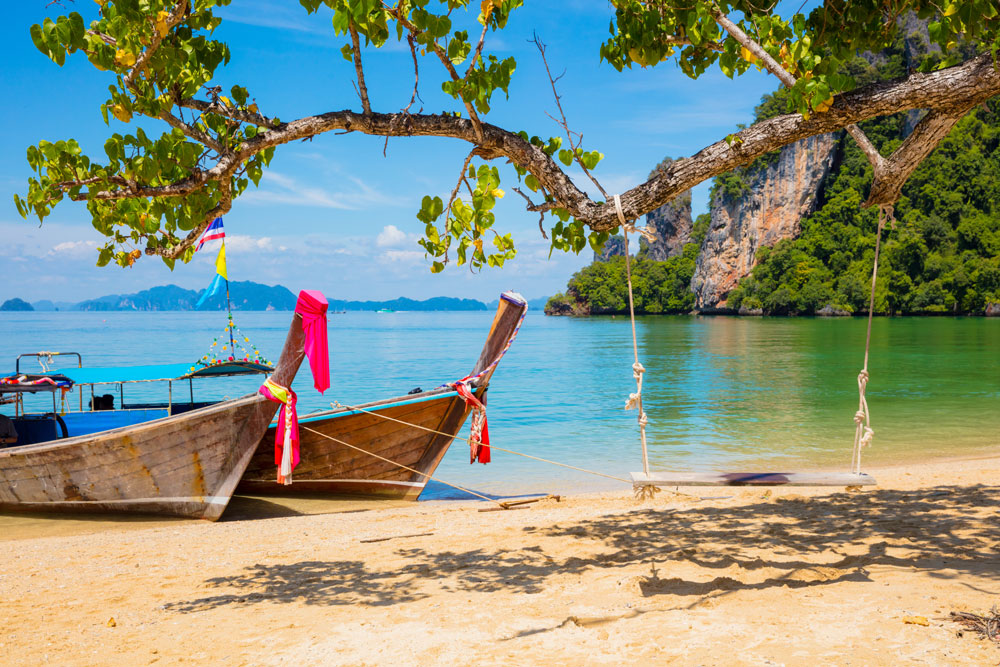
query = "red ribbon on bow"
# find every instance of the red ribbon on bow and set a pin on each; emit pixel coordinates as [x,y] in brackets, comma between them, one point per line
[479,438]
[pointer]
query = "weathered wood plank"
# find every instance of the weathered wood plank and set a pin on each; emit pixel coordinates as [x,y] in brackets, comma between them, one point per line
[752,479]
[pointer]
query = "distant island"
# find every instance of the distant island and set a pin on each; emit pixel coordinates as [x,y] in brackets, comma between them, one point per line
[16,304]
[244,295]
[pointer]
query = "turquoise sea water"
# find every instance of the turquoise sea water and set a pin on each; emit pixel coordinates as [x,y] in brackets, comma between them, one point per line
[721,393]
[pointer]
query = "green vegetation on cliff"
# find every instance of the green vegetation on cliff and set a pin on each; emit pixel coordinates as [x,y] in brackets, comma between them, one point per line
[658,287]
[942,257]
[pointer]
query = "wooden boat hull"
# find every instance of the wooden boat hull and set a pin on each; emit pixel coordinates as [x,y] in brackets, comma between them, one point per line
[181,467]
[185,465]
[329,467]
[342,451]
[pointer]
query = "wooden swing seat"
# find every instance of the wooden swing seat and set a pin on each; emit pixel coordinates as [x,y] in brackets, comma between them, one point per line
[752,479]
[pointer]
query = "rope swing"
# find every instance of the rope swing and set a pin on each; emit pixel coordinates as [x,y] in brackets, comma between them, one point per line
[635,399]
[646,484]
[863,432]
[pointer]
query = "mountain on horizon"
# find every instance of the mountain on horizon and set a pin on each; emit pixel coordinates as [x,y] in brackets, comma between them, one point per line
[16,304]
[248,295]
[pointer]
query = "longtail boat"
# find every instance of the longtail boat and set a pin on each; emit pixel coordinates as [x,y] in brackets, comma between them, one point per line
[386,448]
[181,459]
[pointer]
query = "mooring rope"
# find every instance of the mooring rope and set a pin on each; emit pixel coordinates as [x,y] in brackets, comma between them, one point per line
[863,432]
[404,467]
[499,449]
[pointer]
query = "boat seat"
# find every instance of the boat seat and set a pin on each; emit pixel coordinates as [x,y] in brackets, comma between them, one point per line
[32,429]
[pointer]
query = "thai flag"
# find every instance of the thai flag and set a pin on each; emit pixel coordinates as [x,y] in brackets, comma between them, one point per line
[214,232]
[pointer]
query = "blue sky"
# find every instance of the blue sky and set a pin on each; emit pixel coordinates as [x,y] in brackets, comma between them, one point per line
[333,213]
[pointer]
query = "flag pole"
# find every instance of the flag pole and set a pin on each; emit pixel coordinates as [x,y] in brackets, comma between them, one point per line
[229,310]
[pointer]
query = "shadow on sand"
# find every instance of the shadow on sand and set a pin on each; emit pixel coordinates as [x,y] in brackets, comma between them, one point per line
[947,531]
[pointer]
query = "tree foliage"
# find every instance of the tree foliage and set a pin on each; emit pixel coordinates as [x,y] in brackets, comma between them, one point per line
[155,193]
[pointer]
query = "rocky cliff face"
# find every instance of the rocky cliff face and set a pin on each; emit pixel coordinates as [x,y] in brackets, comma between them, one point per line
[673,224]
[613,247]
[767,210]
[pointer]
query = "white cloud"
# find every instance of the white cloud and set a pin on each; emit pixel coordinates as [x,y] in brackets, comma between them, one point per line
[278,16]
[276,188]
[289,191]
[74,248]
[403,256]
[391,235]
[242,243]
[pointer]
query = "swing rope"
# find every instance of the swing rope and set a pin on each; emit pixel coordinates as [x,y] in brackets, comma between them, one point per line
[635,399]
[338,404]
[863,432]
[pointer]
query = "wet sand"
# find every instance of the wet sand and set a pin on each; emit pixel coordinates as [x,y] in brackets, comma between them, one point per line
[708,576]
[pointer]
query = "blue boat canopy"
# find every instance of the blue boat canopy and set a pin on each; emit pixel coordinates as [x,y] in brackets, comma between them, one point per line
[160,372]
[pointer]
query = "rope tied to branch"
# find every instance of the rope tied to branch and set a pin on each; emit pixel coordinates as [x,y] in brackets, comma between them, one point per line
[634,401]
[864,434]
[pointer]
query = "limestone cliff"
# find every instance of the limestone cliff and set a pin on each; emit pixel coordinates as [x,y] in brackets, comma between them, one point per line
[613,247]
[672,224]
[763,207]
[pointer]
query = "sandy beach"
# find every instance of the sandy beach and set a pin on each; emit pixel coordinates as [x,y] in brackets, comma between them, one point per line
[708,576]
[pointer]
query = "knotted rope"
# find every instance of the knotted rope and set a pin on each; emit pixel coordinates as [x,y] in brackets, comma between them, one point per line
[479,443]
[338,404]
[863,432]
[635,399]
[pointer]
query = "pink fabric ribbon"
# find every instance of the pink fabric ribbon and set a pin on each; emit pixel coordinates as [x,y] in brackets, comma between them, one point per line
[312,307]
[479,438]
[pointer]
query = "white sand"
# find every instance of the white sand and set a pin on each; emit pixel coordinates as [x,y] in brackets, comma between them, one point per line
[779,577]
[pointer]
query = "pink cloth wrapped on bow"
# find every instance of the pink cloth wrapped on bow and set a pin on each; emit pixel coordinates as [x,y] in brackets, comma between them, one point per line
[312,307]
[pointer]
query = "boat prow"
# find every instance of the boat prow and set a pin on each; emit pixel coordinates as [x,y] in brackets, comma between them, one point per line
[387,448]
[184,465]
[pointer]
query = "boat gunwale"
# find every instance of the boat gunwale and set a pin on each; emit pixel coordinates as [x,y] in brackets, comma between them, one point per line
[409,399]
[38,447]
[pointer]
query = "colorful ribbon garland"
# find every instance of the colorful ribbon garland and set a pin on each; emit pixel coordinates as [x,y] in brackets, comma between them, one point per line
[286,436]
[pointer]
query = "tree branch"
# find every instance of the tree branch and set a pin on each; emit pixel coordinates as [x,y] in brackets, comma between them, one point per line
[416,72]
[888,182]
[889,174]
[458,185]
[176,17]
[192,132]
[362,88]
[756,49]
[951,92]
[445,60]
[562,114]
[479,46]
[227,112]
[679,41]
